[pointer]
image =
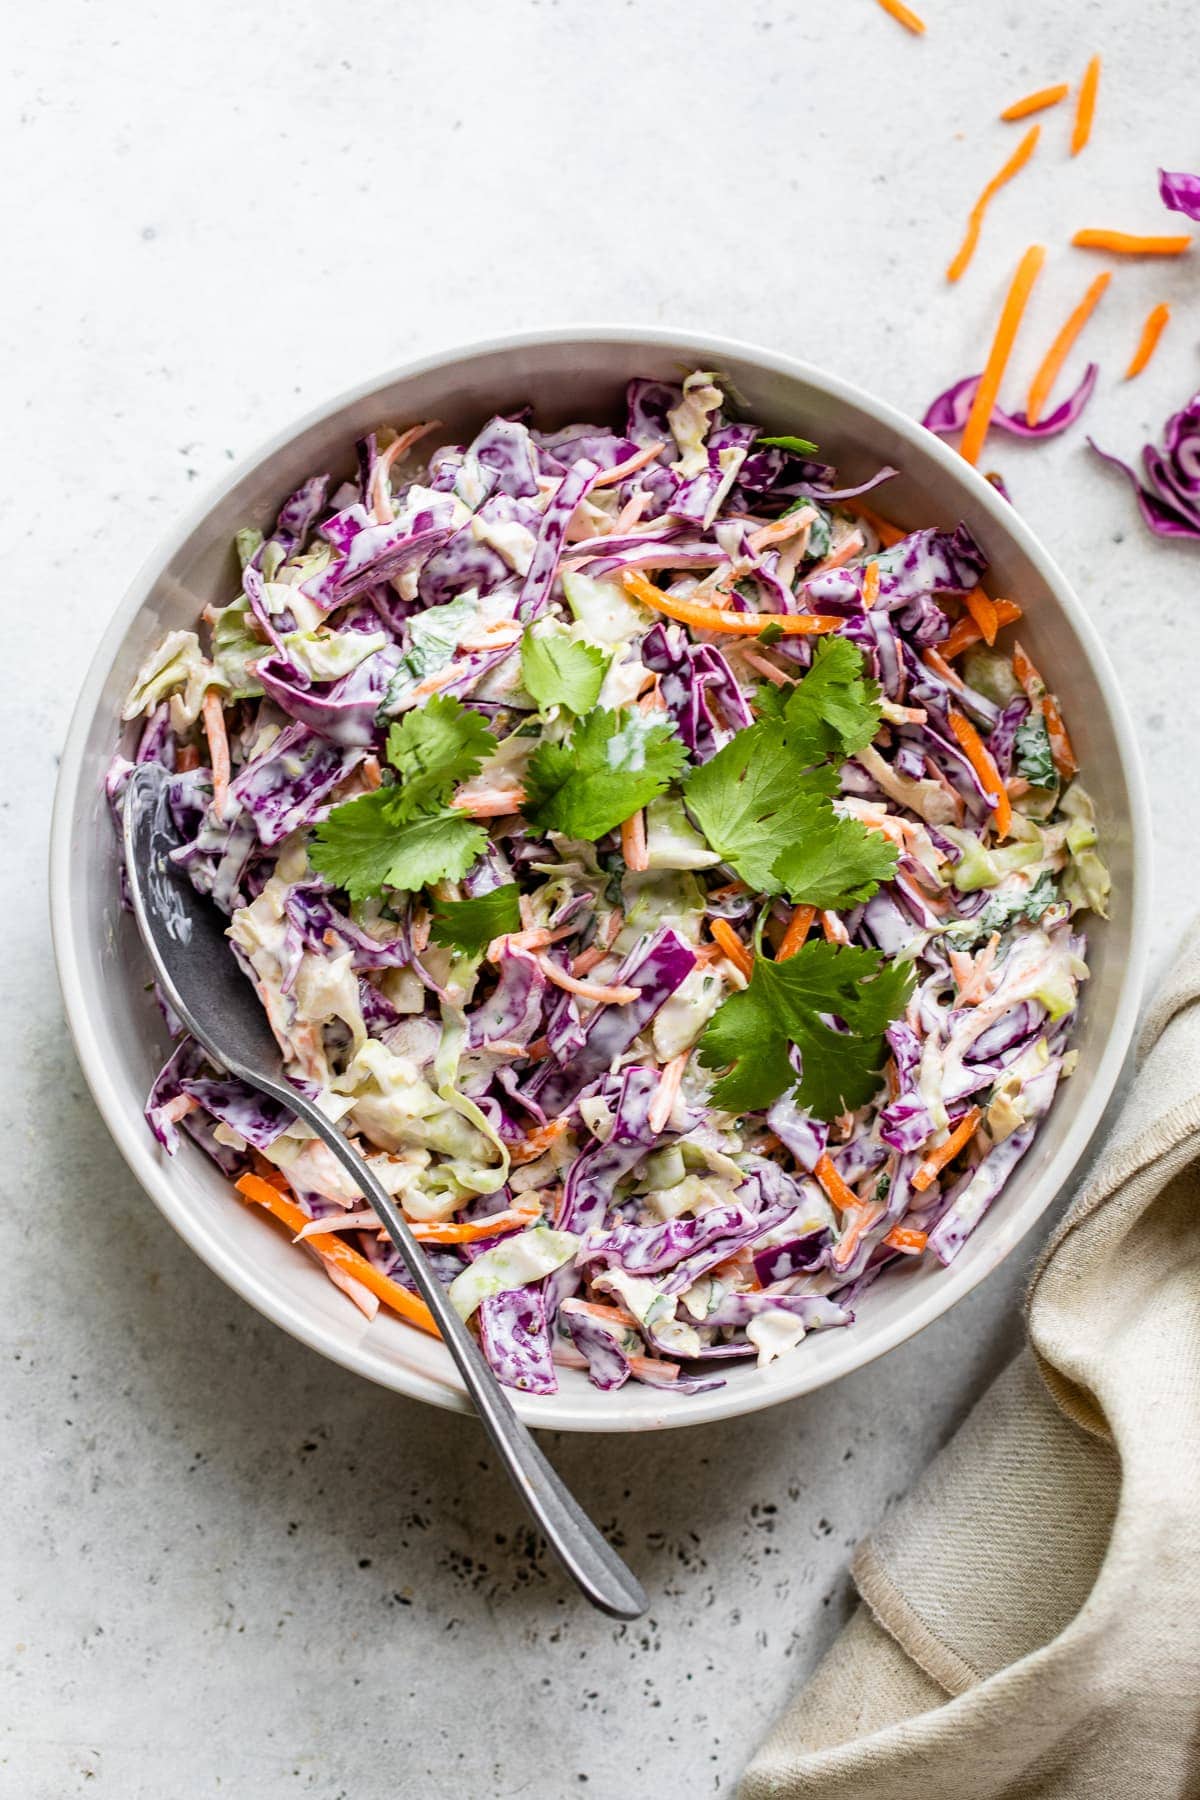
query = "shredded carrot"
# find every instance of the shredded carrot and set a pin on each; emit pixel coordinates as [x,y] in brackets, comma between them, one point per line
[1085,106]
[732,945]
[667,1091]
[1036,102]
[639,459]
[513,1218]
[218,747]
[332,1250]
[980,759]
[604,994]
[933,659]
[766,669]
[371,772]
[965,632]
[941,1154]
[186,757]
[1152,330]
[838,558]
[798,928]
[904,1238]
[1065,760]
[711,618]
[905,16]
[887,533]
[1043,382]
[538,1141]
[492,804]
[870,586]
[857,1224]
[1128,243]
[1011,314]
[982,609]
[1013,166]
[380,497]
[841,1195]
[833,929]
[633,842]
[593,1309]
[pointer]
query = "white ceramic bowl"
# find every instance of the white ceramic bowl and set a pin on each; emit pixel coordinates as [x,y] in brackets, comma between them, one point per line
[566,375]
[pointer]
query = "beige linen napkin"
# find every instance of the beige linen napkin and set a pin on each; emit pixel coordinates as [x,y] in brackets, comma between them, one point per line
[1031,1626]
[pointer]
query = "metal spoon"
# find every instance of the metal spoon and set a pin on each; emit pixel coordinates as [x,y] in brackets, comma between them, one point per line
[185,937]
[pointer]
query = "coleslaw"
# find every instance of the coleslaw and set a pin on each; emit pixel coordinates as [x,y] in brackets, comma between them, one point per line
[650,856]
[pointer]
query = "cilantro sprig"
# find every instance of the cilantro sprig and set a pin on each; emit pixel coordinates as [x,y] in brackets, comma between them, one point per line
[792,1003]
[753,799]
[612,764]
[764,801]
[433,749]
[407,835]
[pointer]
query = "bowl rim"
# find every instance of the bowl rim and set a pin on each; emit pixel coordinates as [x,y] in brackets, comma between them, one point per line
[555,1412]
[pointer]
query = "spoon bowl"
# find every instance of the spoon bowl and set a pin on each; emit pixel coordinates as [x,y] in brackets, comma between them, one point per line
[201,981]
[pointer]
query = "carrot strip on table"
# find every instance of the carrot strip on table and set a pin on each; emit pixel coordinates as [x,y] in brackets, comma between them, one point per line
[1037,102]
[331,1249]
[1085,106]
[904,15]
[798,928]
[838,1191]
[1129,243]
[1011,314]
[724,934]
[1013,166]
[941,1154]
[980,759]
[982,609]
[1152,330]
[1048,371]
[711,618]
[965,632]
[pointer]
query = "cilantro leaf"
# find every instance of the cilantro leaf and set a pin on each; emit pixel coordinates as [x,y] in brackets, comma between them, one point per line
[834,709]
[557,670]
[433,748]
[797,446]
[787,1003]
[368,844]
[1035,759]
[471,925]
[611,764]
[834,862]
[769,701]
[753,798]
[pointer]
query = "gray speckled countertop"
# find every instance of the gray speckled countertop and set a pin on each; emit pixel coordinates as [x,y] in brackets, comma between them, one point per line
[228,1567]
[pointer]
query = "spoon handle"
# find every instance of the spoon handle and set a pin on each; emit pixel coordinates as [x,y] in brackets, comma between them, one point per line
[585,1555]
